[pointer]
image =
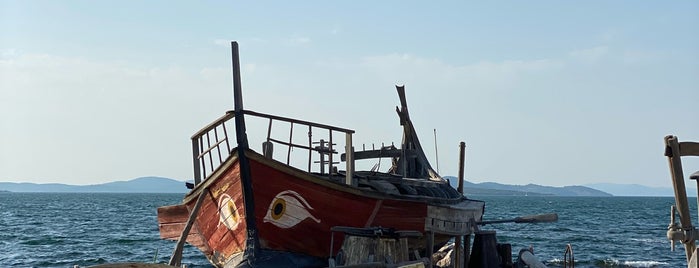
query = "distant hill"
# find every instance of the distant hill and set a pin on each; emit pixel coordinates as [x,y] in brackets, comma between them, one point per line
[492,188]
[138,185]
[165,185]
[638,190]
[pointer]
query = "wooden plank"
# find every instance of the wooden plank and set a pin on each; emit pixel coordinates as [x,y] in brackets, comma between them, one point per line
[688,148]
[173,214]
[360,250]
[393,152]
[453,220]
[462,213]
[447,227]
[171,230]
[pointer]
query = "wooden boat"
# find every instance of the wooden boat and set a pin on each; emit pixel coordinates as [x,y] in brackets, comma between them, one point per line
[269,209]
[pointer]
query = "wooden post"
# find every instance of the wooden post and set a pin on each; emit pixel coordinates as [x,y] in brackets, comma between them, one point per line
[310,145]
[176,258]
[429,250]
[330,155]
[673,155]
[467,249]
[322,156]
[349,159]
[195,158]
[462,159]
[458,259]
[674,150]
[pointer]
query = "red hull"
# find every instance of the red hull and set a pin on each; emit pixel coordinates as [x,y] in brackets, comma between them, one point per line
[294,211]
[322,205]
[219,230]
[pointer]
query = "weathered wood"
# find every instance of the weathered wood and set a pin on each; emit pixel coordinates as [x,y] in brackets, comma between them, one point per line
[330,151]
[429,246]
[176,257]
[211,147]
[369,154]
[349,164]
[457,213]
[458,256]
[673,154]
[297,121]
[467,250]
[173,231]
[462,159]
[688,148]
[212,125]
[172,220]
[458,239]
[195,159]
[173,214]
[447,227]
[359,250]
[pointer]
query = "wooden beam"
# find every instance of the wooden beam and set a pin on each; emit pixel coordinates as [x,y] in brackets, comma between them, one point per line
[673,154]
[688,148]
[176,258]
[368,154]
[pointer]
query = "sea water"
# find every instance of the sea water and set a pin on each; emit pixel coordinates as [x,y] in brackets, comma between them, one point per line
[67,229]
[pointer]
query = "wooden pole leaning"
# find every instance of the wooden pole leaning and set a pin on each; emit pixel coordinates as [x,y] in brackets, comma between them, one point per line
[176,258]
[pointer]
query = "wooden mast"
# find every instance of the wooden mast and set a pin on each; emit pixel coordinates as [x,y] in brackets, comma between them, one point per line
[252,243]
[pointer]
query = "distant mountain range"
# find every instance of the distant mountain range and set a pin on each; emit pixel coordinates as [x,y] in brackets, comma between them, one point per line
[638,190]
[138,185]
[492,188]
[165,185]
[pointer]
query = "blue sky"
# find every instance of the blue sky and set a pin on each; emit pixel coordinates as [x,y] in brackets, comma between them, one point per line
[546,92]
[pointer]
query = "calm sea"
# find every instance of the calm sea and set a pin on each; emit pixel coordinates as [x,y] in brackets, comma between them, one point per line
[66,229]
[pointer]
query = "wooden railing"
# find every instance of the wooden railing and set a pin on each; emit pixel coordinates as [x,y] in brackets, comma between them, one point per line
[211,145]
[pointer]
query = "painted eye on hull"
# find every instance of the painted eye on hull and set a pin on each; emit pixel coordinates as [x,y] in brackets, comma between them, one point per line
[228,212]
[287,209]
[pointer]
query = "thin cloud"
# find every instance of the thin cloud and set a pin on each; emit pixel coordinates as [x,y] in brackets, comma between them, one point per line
[298,41]
[249,41]
[335,30]
[8,53]
[100,113]
[223,42]
[590,55]
[641,56]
